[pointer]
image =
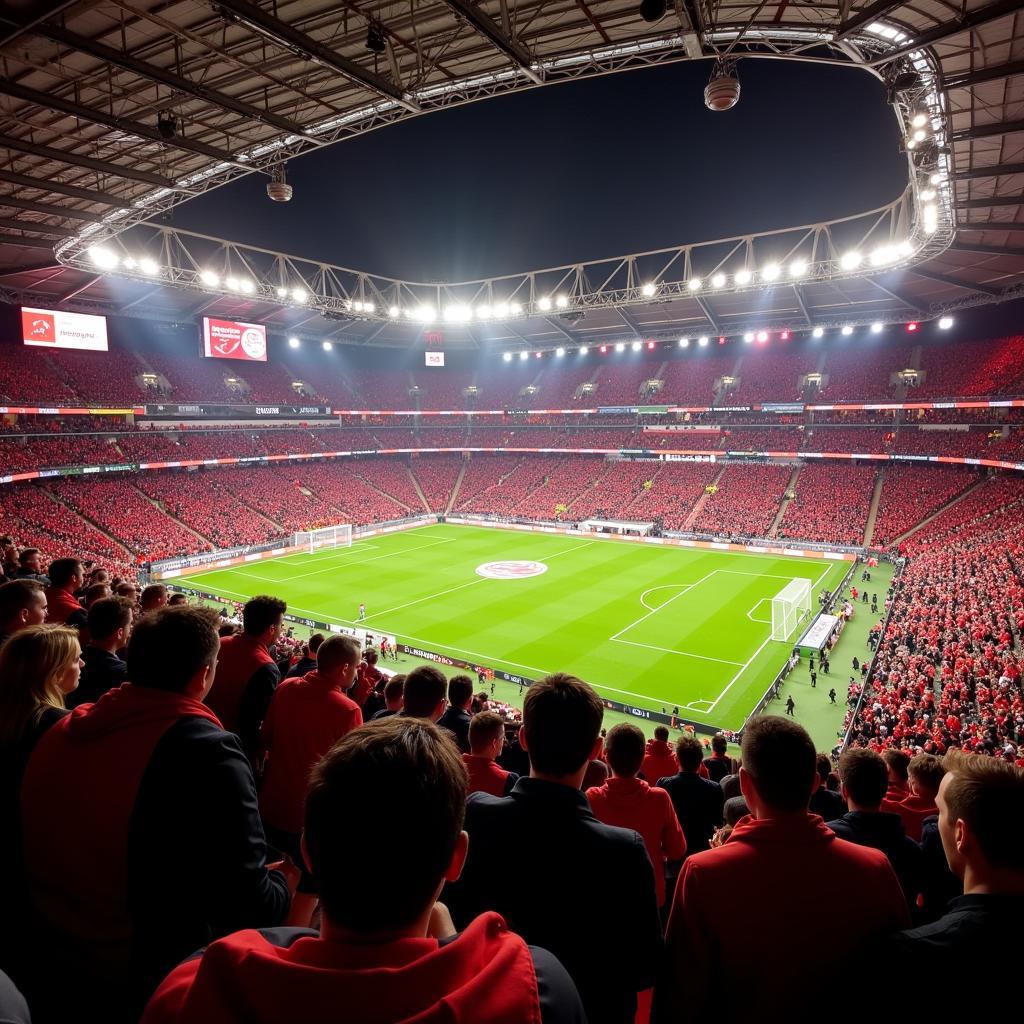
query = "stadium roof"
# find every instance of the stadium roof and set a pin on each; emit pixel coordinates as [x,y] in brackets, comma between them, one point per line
[114,111]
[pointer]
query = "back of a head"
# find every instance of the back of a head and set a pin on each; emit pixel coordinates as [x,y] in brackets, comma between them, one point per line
[624,749]
[64,571]
[384,782]
[780,758]
[126,589]
[897,762]
[823,766]
[661,734]
[96,592]
[561,721]
[689,753]
[926,771]
[107,616]
[484,728]
[17,596]
[425,687]
[460,691]
[152,597]
[170,646]
[314,642]
[719,744]
[371,656]
[25,555]
[864,777]
[987,794]
[177,600]
[394,688]
[262,612]
[335,653]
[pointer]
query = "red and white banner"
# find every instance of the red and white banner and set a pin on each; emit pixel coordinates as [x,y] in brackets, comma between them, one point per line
[228,339]
[53,328]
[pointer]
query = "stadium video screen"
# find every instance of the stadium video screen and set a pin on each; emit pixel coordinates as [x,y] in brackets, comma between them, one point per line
[229,339]
[435,358]
[54,328]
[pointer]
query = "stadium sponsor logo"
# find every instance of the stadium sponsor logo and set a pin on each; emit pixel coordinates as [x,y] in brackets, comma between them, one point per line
[428,655]
[511,570]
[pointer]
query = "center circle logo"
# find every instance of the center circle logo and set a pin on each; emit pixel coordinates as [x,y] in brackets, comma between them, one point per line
[519,570]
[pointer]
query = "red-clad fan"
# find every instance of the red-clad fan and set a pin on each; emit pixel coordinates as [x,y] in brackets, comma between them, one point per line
[925,772]
[770,917]
[247,673]
[629,802]
[384,953]
[307,716]
[66,577]
[896,762]
[659,758]
[486,742]
[367,678]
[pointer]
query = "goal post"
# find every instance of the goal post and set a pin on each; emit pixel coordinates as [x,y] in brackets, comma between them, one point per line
[791,607]
[326,537]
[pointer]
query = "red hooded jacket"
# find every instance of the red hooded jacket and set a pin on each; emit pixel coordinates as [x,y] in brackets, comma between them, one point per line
[659,761]
[483,976]
[240,658]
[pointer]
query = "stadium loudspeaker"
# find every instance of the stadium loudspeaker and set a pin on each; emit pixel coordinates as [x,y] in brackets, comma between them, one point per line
[653,10]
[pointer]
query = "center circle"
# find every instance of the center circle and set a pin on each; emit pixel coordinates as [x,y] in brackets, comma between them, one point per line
[511,570]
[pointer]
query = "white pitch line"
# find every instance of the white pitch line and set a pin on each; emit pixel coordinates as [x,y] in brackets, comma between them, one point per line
[664,586]
[672,650]
[689,587]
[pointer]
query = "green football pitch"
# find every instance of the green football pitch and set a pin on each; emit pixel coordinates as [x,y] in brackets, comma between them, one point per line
[651,626]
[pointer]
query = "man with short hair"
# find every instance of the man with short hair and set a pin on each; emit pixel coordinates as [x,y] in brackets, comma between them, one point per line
[925,772]
[981,823]
[629,802]
[756,918]
[384,953]
[486,742]
[659,758]
[824,801]
[152,597]
[393,697]
[248,675]
[110,626]
[368,677]
[95,592]
[22,603]
[864,780]
[555,860]
[307,716]
[719,764]
[307,663]
[141,833]
[698,802]
[456,719]
[62,607]
[177,600]
[896,762]
[423,693]
[30,566]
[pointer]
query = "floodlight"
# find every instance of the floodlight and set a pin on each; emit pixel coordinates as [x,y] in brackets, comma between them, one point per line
[743,276]
[718,280]
[293,342]
[149,266]
[561,302]
[818,332]
[559,351]
[770,271]
[919,120]
[919,135]
[846,331]
[129,263]
[702,341]
[620,346]
[636,346]
[369,307]
[282,293]
[501,309]
[651,346]
[507,357]
[246,286]
[210,278]
[912,326]
[103,257]
[762,336]
[850,260]
[299,295]
[523,356]
[876,328]
[927,194]
[327,346]
[583,350]
[484,312]
[945,323]
[515,308]
[936,178]
[648,289]
[684,342]
[393,311]
[425,314]
[543,302]
[231,284]
[358,305]
[748,337]
[797,268]
[882,255]
[784,336]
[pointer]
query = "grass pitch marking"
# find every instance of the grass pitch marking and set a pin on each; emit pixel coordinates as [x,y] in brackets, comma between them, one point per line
[753,617]
[664,586]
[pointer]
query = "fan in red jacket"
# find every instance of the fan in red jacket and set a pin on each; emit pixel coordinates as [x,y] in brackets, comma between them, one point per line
[629,802]
[659,758]
[385,953]
[896,762]
[770,917]
[925,772]
[307,716]
[486,742]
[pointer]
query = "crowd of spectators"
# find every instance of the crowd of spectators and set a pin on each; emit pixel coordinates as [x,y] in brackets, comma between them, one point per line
[745,503]
[912,493]
[831,504]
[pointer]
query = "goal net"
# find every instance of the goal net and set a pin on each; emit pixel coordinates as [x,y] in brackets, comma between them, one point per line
[791,606]
[326,537]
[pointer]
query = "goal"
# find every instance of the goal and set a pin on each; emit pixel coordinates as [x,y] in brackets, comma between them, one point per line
[326,537]
[791,606]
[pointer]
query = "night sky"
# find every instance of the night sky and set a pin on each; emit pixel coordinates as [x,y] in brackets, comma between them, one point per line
[597,168]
